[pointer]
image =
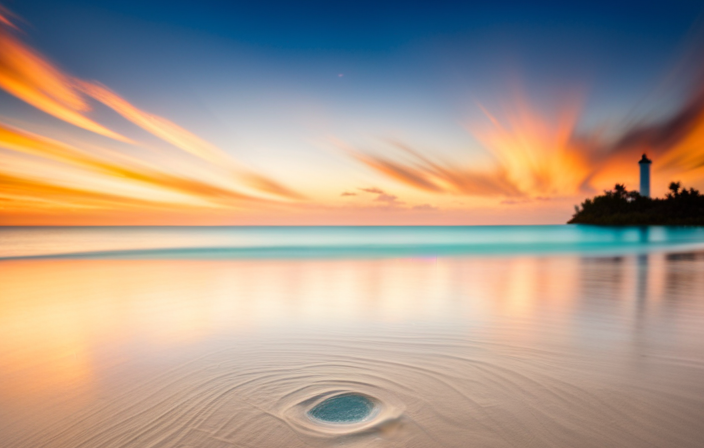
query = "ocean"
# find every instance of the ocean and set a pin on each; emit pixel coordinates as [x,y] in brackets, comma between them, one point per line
[214,337]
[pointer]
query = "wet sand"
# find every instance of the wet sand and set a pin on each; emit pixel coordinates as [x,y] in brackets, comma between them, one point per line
[549,351]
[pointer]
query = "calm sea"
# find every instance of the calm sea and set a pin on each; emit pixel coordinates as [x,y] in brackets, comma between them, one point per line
[338,242]
[220,337]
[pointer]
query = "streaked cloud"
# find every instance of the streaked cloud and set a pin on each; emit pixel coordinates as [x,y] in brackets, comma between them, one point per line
[5,18]
[678,139]
[23,194]
[27,75]
[419,171]
[183,139]
[425,207]
[372,190]
[533,156]
[159,126]
[383,197]
[125,169]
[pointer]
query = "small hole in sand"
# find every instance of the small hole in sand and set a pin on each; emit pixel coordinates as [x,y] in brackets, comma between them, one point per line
[347,408]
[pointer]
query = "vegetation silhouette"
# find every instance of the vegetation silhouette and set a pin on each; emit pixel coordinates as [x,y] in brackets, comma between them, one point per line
[620,207]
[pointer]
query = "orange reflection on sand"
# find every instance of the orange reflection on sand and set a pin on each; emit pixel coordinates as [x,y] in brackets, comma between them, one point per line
[176,352]
[93,302]
[45,336]
[67,324]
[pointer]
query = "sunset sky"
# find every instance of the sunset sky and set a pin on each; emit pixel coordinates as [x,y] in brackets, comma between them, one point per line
[125,112]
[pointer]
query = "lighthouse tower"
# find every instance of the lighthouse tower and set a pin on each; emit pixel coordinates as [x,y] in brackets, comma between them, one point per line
[645,176]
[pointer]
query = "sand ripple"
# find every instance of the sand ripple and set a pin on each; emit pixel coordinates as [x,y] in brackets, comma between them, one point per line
[453,353]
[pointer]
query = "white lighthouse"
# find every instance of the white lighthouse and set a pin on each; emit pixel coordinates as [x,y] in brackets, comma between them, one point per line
[645,176]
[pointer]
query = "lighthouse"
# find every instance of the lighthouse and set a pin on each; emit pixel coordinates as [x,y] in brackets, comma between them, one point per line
[645,176]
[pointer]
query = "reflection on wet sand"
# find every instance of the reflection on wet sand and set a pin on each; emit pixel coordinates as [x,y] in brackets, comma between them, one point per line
[503,351]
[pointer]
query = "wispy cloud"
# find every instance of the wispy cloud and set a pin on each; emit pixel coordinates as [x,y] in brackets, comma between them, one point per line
[5,18]
[30,77]
[123,169]
[425,207]
[23,194]
[678,138]
[159,126]
[421,172]
[384,197]
[409,175]
[534,156]
[372,190]
[184,140]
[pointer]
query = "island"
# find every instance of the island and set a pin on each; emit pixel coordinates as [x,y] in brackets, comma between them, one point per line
[620,207]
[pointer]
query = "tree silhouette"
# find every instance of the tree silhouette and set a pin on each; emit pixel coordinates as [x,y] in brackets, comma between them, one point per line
[674,189]
[620,191]
[619,206]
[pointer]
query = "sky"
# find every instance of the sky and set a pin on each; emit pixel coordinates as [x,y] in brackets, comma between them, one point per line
[126,112]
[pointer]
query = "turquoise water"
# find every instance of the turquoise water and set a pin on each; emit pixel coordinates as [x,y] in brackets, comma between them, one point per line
[343,409]
[339,242]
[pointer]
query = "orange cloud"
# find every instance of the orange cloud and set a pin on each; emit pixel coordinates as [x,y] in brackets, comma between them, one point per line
[269,185]
[437,177]
[381,196]
[678,139]
[21,194]
[183,139]
[29,77]
[159,126]
[533,156]
[125,170]
[4,18]
[408,175]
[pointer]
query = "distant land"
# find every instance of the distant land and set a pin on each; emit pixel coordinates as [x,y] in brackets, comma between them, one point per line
[620,207]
